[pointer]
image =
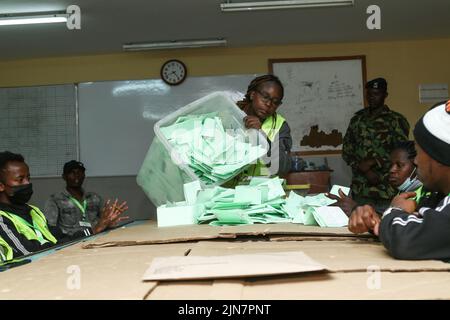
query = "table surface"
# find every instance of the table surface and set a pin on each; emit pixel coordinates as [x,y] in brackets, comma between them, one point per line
[111,266]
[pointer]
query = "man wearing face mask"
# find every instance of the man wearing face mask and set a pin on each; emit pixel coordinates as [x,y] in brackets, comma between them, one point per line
[23,227]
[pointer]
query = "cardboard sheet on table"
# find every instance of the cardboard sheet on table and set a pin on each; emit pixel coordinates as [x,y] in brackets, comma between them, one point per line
[230,266]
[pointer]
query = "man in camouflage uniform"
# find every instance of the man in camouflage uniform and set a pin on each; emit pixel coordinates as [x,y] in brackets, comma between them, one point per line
[370,136]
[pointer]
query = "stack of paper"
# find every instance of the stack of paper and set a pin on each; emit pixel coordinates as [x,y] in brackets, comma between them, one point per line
[262,201]
[214,154]
[259,202]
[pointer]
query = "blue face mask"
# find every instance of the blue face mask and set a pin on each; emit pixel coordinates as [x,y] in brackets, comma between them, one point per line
[410,184]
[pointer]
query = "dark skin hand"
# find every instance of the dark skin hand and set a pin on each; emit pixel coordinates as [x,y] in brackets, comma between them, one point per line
[110,215]
[345,203]
[364,219]
[252,122]
[405,202]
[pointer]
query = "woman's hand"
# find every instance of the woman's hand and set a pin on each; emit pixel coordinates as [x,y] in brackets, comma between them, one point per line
[252,122]
[344,202]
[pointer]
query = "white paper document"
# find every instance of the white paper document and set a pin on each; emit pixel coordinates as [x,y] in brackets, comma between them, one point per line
[330,217]
[230,266]
[335,190]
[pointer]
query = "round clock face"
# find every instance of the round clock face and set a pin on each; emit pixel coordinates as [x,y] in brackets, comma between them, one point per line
[173,72]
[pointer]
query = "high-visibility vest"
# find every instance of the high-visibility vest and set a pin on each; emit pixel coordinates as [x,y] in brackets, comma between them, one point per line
[38,231]
[271,127]
[6,252]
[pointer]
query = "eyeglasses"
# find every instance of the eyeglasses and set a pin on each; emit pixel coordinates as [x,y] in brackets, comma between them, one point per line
[265,97]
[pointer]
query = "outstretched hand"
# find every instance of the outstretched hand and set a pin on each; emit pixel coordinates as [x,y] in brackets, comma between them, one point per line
[111,215]
[344,202]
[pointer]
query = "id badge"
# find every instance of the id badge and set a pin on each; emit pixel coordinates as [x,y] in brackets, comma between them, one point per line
[85,224]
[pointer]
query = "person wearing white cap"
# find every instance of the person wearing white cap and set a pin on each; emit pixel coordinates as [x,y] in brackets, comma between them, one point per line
[425,234]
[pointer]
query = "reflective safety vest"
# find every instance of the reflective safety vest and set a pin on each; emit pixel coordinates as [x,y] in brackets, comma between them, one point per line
[38,231]
[419,194]
[271,127]
[6,252]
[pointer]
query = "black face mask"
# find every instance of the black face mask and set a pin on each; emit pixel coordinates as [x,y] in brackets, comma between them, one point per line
[21,194]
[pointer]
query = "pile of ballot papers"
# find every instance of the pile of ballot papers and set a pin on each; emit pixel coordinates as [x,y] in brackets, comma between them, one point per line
[213,153]
[262,201]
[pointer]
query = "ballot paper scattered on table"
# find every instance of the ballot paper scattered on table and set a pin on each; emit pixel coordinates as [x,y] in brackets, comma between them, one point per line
[262,201]
[330,217]
[230,266]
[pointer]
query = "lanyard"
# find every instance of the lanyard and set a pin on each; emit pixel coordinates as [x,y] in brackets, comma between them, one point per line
[41,238]
[274,125]
[78,204]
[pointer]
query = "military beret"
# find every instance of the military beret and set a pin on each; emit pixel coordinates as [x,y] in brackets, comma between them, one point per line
[378,83]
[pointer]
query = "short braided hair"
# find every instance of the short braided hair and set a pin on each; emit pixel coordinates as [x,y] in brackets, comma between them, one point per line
[255,84]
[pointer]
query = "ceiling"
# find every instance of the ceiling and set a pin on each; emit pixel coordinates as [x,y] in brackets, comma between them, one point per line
[107,24]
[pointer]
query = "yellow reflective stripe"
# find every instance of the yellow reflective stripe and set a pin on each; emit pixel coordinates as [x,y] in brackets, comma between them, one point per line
[34,227]
[6,251]
[272,125]
[41,222]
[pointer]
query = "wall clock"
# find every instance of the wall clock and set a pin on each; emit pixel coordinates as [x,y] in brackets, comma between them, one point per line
[173,72]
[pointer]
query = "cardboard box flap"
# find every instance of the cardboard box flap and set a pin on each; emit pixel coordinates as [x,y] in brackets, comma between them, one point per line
[338,256]
[316,286]
[73,273]
[230,266]
[149,233]
[287,229]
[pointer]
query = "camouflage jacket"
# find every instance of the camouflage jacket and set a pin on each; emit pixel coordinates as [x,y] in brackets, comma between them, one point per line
[372,135]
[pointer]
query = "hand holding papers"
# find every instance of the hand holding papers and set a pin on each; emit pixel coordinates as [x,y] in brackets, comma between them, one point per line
[335,190]
[341,198]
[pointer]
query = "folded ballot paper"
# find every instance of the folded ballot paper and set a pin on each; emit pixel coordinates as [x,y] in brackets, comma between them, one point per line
[262,201]
[227,266]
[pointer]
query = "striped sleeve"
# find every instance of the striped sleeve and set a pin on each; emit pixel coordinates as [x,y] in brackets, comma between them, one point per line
[11,236]
[407,236]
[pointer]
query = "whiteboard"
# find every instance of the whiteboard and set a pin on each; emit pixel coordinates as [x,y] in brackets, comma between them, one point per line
[116,118]
[321,96]
[40,123]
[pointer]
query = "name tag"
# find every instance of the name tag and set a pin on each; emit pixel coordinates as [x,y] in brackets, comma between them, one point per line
[85,224]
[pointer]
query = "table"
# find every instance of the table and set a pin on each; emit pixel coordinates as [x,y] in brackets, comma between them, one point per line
[111,266]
